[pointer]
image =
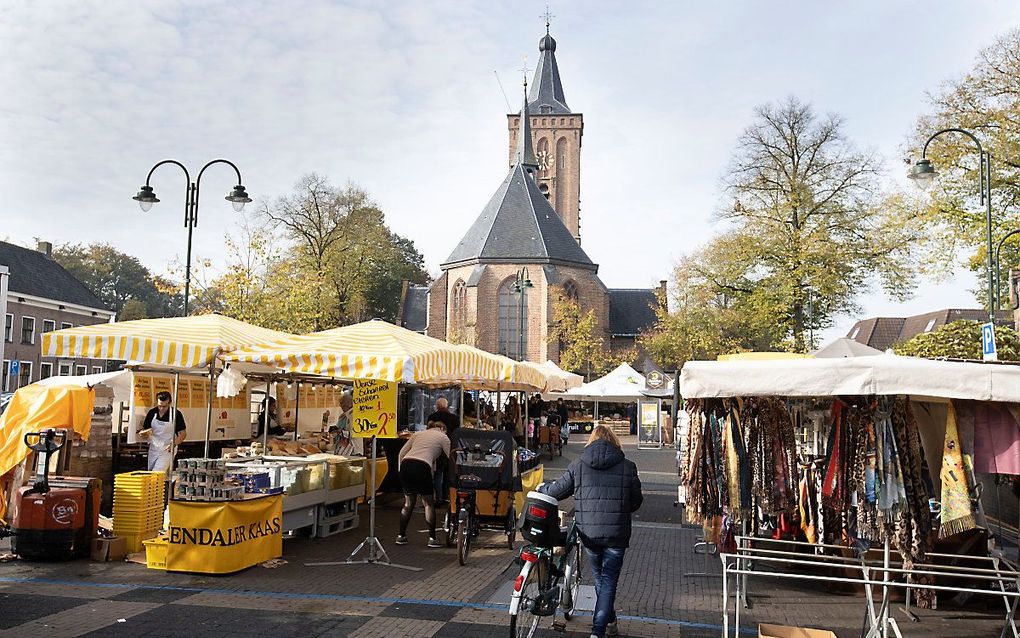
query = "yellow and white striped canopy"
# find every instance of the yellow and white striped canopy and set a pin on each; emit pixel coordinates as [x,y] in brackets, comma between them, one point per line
[186,342]
[514,375]
[376,350]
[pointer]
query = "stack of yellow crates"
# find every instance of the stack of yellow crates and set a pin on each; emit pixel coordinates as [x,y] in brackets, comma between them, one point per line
[138,506]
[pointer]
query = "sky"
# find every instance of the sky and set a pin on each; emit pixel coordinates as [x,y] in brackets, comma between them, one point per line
[405,100]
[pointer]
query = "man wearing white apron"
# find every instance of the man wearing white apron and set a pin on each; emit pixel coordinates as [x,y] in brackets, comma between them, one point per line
[162,434]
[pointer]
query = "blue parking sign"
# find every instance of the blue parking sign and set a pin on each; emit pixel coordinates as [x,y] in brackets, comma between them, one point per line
[15,367]
[988,351]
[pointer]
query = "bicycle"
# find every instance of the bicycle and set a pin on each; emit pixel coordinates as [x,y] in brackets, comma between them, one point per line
[538,592]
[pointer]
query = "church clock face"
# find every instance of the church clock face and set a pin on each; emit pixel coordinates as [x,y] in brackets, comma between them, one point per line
[545,160]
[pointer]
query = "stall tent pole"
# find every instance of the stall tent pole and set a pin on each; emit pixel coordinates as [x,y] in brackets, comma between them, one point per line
[208,414]
[462,405]
[596,412]
[674,410]
[499,407]
[297,411]
[527,428]
[265,410]
[173,441]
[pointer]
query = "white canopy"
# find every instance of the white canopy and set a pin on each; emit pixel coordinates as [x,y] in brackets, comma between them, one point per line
[845,347]
[879,375]
[559,379]
[622,385]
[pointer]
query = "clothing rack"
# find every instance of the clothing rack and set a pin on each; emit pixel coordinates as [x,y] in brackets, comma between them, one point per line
[747,559]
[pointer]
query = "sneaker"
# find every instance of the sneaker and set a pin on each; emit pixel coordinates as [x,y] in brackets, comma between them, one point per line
[401,539]
[612,629]
[433,543]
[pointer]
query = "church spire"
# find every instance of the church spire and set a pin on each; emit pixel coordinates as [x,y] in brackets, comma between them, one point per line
[525,155]
[547,90]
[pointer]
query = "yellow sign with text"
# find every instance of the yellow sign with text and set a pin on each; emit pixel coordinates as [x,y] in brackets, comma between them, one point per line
[224,537]
[375,409]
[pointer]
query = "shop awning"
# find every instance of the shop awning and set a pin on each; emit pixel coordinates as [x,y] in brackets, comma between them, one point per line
[187,342]
[376,350]
[878,375]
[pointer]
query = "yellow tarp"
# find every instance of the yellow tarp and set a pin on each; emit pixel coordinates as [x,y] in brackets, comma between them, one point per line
[37,407]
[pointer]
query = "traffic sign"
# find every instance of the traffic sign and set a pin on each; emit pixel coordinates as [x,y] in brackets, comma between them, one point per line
[15,367]
[988,351]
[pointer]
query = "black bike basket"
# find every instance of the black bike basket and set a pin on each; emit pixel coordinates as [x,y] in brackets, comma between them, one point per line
[541,520]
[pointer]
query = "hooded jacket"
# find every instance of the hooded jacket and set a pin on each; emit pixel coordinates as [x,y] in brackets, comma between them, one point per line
[606,491]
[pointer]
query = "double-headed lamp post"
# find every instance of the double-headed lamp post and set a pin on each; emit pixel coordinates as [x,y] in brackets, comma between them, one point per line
[520,287]
[146,197]
[924,174]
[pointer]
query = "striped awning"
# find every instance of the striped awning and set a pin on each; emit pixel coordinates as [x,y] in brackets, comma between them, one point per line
[186,342]
[376,350]
[514,375]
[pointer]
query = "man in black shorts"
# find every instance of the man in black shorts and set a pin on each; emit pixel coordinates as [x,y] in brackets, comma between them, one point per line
[450,422]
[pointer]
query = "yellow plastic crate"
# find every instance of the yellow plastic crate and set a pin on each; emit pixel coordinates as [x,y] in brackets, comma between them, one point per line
[135,540]
[155,552]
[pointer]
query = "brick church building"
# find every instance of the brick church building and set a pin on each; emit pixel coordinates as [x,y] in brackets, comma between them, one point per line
[531,222]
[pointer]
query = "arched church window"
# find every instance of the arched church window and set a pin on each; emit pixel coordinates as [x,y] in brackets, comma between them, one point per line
[458,306]
[512,340]
[570,291]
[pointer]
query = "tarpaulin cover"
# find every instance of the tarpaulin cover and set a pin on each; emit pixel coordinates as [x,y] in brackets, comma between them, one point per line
[34,408]
[880,375]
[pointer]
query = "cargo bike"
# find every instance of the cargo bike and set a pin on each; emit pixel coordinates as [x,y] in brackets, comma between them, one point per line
[486,483]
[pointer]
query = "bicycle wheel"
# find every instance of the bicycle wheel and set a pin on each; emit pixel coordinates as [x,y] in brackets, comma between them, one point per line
[524,623]
[463,540]
[511,528]
[571,581]
[451,529]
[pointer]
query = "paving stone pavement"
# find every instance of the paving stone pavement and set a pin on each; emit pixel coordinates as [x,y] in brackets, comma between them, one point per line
[660,595]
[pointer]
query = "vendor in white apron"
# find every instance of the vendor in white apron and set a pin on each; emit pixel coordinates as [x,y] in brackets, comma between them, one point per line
[163,436]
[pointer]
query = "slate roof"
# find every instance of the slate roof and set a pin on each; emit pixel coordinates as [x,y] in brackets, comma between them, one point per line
[519,226]
[631,310]
[415,313]
[546,89]
[884,332]
[35,274]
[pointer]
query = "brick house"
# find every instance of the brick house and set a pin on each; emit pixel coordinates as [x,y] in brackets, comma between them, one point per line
[883,333]
[41,296]
[532,221]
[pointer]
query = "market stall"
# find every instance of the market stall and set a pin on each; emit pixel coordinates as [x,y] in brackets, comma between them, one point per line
[849,453]
[623,390]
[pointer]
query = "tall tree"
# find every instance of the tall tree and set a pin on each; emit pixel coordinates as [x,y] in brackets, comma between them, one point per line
[985,101]
[808,230]
[116,278]
[582,345]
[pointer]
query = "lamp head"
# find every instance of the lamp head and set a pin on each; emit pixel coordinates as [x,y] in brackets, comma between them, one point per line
[923,173]
[145,198]
[238,198]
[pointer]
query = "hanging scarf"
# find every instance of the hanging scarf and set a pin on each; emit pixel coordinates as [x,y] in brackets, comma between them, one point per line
[807,523]
[957,515]
[833,485]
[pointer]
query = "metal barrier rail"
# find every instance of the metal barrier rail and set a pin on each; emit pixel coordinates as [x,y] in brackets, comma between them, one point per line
[877,622]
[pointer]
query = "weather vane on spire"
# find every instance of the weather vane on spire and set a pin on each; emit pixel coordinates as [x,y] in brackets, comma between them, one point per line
[548,15]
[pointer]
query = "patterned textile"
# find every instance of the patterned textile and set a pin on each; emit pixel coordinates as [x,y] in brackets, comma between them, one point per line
[957,515]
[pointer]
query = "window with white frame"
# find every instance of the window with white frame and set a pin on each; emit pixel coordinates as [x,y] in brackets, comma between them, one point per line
[64,325]
[63,369]
[8,327]
[80,370]
[25,377]
[49,325]
[45,370]
[5,382]
[28,330]
[97,369]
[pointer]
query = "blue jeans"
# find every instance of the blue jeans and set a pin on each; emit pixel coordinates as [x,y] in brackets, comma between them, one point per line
[606,563]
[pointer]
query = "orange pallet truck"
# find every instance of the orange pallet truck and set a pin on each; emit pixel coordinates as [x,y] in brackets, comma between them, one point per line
[54,519]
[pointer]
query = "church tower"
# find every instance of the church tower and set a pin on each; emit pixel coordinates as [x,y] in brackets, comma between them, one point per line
[556,138]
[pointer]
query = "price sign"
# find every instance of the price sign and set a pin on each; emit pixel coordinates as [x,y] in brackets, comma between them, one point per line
[375,409]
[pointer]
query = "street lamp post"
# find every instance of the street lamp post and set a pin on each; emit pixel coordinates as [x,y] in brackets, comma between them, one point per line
[520,287]
[924,173]
[998,267]
[146,197]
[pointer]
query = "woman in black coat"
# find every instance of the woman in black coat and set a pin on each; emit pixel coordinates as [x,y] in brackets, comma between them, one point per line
[606,491]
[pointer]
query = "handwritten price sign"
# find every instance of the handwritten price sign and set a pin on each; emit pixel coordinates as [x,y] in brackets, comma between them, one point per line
[375,409]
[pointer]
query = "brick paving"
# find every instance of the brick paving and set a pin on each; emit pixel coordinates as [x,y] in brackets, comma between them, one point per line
[659,596]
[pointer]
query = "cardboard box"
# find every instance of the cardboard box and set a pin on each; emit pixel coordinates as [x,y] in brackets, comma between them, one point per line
[109,549]
[782,631]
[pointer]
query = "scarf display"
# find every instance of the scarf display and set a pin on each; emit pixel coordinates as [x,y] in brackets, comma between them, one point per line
[957,515]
